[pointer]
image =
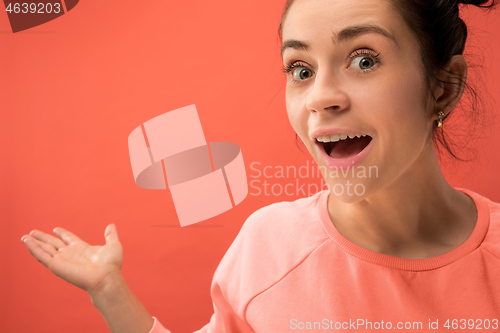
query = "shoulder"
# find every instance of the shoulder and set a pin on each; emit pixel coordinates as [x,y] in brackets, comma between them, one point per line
[490,211]
[281,228]
[492,239]
[282,221]
[273,241]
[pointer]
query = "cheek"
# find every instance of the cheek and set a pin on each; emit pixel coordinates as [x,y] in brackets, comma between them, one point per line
[409,88]
[296,113]
[397,103]
[394,107]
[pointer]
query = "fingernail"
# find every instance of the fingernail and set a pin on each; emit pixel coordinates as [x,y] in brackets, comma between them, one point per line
[54,230]
[23,238]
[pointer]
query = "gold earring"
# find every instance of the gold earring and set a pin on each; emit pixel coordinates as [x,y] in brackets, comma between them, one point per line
[439,123]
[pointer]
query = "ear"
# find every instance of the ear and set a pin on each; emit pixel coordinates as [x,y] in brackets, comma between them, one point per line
[449,91]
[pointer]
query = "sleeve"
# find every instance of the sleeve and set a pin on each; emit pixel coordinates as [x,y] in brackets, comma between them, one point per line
[157,327]
[225,319]
[240,276]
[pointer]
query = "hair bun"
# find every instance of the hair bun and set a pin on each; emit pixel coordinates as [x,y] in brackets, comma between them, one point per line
[480,3]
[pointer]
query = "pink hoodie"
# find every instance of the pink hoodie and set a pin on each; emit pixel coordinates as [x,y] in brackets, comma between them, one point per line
[290,269]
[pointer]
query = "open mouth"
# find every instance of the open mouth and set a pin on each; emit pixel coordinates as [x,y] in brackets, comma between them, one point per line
[343,146]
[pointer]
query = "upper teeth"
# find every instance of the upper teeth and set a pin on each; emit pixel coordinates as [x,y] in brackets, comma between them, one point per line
[337,137]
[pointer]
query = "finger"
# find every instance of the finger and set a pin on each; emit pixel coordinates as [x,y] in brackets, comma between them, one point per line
[66,236]
[50,249]
[46,238]
[36,251]
[111,234]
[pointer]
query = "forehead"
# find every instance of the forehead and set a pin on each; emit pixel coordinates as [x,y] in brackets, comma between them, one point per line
[307,19]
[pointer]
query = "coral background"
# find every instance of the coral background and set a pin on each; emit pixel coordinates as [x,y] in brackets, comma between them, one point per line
[72,90]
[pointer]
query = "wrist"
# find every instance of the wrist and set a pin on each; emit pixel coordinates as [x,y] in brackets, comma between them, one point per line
[119,307]
[108,289]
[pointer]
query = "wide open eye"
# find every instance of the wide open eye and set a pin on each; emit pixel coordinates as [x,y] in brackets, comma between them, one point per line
[301,73]
[364,60]
[364,63]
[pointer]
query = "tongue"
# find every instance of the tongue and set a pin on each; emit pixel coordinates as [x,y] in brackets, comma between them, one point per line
[349,147]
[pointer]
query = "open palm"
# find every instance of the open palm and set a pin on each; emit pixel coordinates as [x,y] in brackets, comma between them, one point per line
[67,256]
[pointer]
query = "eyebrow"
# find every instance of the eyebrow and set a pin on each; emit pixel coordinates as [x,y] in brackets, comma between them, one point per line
[343,36]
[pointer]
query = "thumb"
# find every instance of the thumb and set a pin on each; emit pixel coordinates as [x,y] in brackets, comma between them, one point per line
[111,234]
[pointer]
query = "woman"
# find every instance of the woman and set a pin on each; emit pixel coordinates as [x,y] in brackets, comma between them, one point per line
[390,245]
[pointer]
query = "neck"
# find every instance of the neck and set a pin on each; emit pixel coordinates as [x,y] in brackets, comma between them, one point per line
[418,215]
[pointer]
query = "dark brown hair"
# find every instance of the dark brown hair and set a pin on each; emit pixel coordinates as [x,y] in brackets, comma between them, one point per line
[441,34]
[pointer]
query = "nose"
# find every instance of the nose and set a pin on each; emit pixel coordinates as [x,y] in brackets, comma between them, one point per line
[327,94]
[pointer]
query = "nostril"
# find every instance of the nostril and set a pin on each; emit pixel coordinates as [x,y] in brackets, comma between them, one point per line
[332,108]
[329,108]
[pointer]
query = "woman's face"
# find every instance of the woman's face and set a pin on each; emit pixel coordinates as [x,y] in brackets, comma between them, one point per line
[354,67]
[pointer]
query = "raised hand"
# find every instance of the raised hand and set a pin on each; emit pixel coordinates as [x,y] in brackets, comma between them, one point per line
[67,256]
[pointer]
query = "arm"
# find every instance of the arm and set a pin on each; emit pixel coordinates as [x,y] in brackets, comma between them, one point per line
[231,291]
[97,270]
[121,310]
